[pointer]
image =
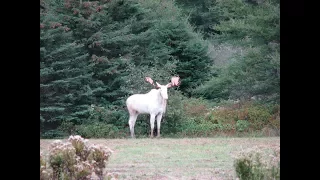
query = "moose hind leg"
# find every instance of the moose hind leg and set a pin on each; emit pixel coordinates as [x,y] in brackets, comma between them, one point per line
[132,121]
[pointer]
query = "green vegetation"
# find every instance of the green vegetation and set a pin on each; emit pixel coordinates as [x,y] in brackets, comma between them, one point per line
[258,164]
[94,54]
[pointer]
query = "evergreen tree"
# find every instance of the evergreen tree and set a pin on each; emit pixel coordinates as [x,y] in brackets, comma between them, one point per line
[98,52]
[255,28]
[66,84]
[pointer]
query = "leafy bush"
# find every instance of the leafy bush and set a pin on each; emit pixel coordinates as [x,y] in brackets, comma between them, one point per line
[225,115]
[275,119]
[111,114]
[242,125]
[258,116]
[112,123]
[195,107]
[187,117]
[244,115]
[67,127]
[200,127]
[74,159]
[258,164]
[184,116]
[99,130]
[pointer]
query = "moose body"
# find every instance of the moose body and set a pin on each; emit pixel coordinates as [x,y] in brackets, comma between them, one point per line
[154,103]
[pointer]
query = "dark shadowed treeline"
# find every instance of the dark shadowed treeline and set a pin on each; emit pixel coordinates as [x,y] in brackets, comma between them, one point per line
[94,54]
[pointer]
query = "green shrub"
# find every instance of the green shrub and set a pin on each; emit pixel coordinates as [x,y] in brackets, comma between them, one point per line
[100,114]
[258,164]
[175,114]
[274,121]
[185,117]
[224,115]
[99,130]
[258,116]
[200,127]
[242,125]
[245,116]
[67,127]
[195,107]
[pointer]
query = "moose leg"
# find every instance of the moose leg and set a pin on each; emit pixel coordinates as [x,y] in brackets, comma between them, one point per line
[152,118]
[132,121]
[158,124]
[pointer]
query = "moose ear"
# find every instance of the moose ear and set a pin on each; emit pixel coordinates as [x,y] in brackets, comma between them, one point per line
[158,85]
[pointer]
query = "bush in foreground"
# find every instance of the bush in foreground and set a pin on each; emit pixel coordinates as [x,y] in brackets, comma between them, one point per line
[74,159]
[258,164]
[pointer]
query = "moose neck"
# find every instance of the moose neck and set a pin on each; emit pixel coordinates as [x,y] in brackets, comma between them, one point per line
[161,100]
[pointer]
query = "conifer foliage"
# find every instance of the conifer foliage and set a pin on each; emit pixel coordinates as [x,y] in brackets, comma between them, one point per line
[98,53]
[66,84]
[94,54]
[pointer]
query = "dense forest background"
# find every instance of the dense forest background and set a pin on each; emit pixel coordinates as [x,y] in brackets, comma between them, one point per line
[94,54]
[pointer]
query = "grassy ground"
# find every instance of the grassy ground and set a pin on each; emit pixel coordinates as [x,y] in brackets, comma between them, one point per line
[196,158]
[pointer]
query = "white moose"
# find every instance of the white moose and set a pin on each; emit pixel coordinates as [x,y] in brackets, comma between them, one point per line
[154,103]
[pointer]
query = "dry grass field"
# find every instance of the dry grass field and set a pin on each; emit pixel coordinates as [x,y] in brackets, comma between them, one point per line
[165,158]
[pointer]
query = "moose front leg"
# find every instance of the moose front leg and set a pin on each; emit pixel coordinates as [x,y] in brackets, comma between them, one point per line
[152,118]
[158,124]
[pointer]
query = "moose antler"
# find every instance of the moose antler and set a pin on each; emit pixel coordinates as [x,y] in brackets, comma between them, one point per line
[174,82]
[148,79]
